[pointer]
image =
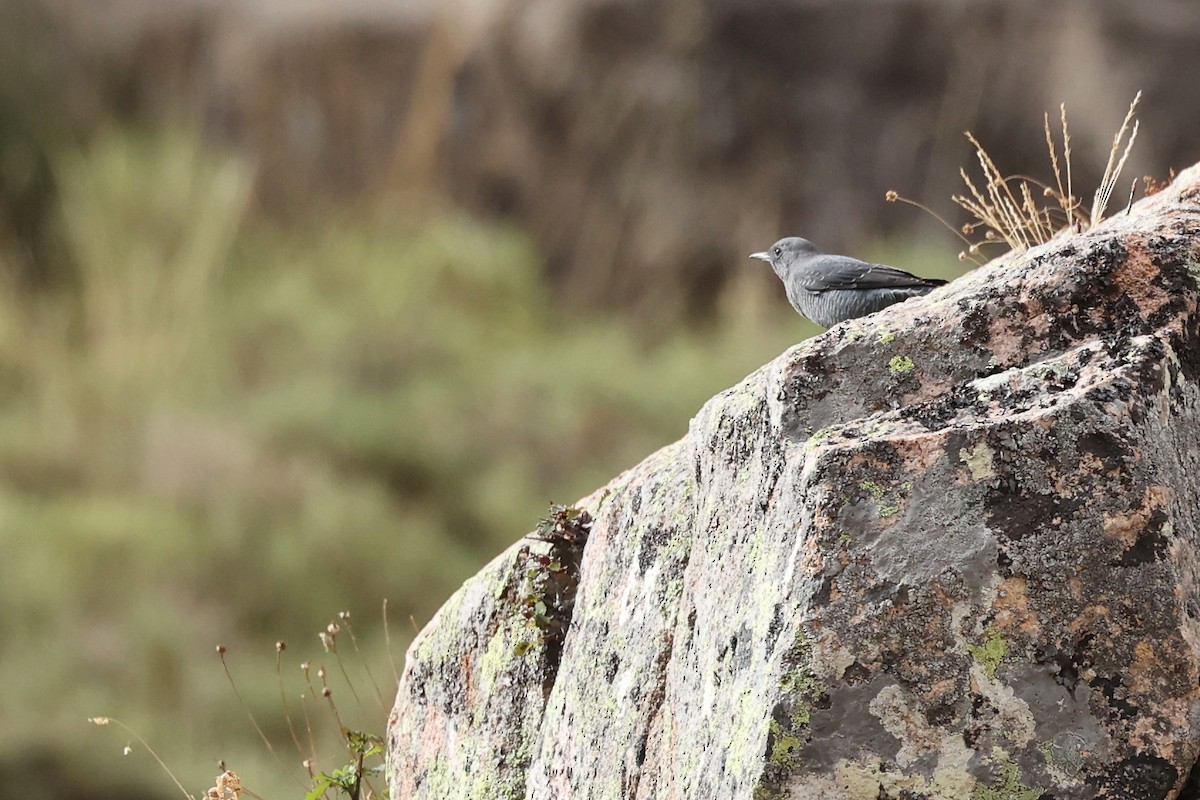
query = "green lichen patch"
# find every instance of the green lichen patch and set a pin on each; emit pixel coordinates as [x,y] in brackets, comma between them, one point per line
[1009,787]
[785,746]
[979,461]
[886,336]
[888,502]
[989,654]
[874,489]
[801,692]
[901,364]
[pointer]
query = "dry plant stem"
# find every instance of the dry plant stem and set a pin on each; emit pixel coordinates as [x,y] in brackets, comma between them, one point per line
[142,742]
[327,693]
[287,711]
[387,634]
[365,663]
[312,742]
[1062,109]
[1066,200]
[346,677]
[892,197]
[1000,194]
[1112,170]
[246,706]
[333,709]
[1062,192]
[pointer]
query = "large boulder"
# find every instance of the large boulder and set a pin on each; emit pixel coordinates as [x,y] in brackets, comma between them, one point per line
[946,551]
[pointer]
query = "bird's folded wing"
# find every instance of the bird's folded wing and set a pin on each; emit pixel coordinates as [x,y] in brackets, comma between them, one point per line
[834,272]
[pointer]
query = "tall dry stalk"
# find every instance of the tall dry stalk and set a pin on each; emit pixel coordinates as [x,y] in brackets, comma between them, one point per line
[1005,206]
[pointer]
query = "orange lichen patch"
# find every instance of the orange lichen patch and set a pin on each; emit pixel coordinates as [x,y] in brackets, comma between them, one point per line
[1005,339]
[941,691]
[1092,463]
[1092,616]
[466,669]
[861,459]
[1012,608]
[1142,668]
[922,452]
[1136,275]
[931,387]
[1126,528]
[1149,731]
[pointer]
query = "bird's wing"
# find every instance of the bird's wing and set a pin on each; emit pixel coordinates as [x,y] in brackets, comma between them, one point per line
[840,272]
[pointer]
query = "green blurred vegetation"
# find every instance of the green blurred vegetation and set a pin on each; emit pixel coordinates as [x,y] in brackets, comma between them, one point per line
[217,428]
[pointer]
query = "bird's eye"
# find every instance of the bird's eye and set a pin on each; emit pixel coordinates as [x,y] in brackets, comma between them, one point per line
[778,251]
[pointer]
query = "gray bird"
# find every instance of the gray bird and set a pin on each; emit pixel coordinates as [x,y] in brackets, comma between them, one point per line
[830,289]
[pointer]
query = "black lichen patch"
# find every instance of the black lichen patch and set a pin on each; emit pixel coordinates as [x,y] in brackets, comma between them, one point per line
[824,592]
[1186,345]
[650,547]
[975,321]
[809,380]
[1191,786]
[775,627]
[1113,452]
[940,412]
[611,667]
[1090,303]
[737,435]
[1014,514]
[941,715]
[1066,674]
[1170,255]
[1141,777]
[1113,689]
[1149,369]
[772,463]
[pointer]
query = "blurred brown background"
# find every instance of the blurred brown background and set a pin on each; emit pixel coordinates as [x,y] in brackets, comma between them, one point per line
[309,304]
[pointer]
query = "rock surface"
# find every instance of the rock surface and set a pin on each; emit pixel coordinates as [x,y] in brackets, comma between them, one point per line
[946,551]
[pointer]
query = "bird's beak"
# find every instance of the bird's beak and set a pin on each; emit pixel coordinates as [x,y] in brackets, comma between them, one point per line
[762,257]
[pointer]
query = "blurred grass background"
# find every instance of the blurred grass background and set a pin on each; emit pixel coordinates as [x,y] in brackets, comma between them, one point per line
[299,313]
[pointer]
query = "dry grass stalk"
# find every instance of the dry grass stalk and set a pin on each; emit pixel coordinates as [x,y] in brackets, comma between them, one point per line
[1113,172]
[1005,206]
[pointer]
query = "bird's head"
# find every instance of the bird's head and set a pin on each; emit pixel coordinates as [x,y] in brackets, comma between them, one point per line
[787,253]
